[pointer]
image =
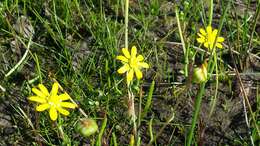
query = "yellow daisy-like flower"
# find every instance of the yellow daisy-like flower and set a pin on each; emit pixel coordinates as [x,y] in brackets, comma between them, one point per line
[207,38]
[52,101]
[131,64]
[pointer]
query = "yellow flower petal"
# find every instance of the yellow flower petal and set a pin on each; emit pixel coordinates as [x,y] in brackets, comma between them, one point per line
[130,76]
[63,111]
[143,65]
[220,39]
[122,58]
[203,32]
[215,32]
[53,114]
[209,37]
[201,36]
[64,96]
[140,58]
[54,99]
[219,45]
[42,107]
[211,45]
[37,99]
[123,69]
[55,88]
[126,53]
[38,93]
[209,29]
[43,89]
[68,105]
[206,45]
[201,40]
[138,74]
[133,52]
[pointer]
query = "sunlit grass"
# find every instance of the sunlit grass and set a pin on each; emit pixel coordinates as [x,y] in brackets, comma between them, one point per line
[76,43]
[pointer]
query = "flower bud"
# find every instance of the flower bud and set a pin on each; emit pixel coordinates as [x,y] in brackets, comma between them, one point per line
[87,127]
[200,73]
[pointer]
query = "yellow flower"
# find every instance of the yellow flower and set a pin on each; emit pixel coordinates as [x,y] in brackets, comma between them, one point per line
[207,37]
[131,64]
[51,101]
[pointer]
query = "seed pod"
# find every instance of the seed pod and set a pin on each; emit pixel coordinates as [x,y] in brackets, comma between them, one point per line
[200,73]
[87,127]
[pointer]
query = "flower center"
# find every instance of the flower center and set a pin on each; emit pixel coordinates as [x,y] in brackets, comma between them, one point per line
[54,101]
[211,39]
[133,62]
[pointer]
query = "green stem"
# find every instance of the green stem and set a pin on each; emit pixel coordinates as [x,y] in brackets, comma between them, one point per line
[183,44]
[63,135]
[257,15]
[216,90]
[161,129]
[139,111]
[126,22]
[22,60]
[211,12]
[38,68]
[2,88]
[131,106]
[114,139]
[99,140]
[196,112]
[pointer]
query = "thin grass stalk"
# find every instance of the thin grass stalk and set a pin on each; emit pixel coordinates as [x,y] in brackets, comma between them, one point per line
[149,100]
[2,88]
[139,111]
[196,112]
[257,15]
[38,68]
[211,12]
[99,140]
[114,139]
[150,126]
[22,60]
[183,44]
[161,129]
[126,22]
[60,129]
[216,89]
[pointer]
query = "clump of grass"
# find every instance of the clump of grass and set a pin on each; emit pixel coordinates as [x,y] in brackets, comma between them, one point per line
[77,43]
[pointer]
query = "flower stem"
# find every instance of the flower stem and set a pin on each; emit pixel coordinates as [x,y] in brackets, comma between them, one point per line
[131,105]
[211,12]
[131,109]
[62,135]
[126,22]
[196,112]
[61,132]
